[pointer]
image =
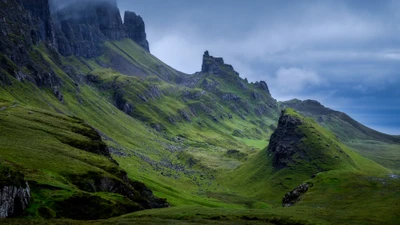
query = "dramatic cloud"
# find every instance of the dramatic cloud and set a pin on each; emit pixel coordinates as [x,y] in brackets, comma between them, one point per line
[333,51]
[294,80]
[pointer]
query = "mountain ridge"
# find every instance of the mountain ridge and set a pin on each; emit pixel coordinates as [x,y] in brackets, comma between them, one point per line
[166,138]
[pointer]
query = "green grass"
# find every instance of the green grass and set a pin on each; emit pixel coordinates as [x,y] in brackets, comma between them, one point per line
[186,162]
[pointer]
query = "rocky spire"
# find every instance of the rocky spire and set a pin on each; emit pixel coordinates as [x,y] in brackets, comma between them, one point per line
[215,65]
[135,29]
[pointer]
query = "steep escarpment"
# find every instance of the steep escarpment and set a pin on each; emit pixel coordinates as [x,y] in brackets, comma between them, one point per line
[135,29]
[18,58]
[80,28]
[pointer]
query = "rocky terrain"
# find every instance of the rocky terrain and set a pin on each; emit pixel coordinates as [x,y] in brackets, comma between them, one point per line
[92,126]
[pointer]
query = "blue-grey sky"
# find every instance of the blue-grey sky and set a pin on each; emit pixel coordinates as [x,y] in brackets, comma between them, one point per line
[345,54]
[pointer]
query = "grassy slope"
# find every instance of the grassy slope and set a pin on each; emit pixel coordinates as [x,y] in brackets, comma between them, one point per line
[210,182]
[382,148]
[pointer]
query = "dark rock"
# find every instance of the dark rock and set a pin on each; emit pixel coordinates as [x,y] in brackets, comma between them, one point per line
[80,28]
[93,143]
[262,85]
[216,66]
[15,193]
[230,97]
[58,94]
[284,140]
[255,95]
[122,104]
[153,92]
[185,115]
[142,97]
[294,196]
[236,154]
[135,29]
[40,13]
[209,85]
[193,95]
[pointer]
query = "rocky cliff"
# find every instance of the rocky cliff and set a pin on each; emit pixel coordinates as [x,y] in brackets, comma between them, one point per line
[80,28]
[135,29]
[14,193]
[21,30]
[216,66]
[41,16]
[284,140]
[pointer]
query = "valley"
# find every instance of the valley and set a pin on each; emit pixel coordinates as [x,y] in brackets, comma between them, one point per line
[103,132]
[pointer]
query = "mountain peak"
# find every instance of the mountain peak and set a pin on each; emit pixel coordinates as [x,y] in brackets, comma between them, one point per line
[135,29]
[216,65]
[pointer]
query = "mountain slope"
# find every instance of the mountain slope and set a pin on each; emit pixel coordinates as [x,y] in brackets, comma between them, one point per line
[382,148]
[340,123]
[104,118]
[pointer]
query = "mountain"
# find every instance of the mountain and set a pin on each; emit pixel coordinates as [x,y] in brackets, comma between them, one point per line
[375,145]
[93,126]
[340,123]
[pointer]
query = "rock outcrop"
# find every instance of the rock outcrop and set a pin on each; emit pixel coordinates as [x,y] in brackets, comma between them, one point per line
[262,85]
[216,66]
[135,29]
[41,15]
[294,196]
[15,193]
[79,28]
[284,140]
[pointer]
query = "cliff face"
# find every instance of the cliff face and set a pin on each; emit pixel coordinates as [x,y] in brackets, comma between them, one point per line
[14,193]
[135,29]
[216,66]
[80,28]
[40,13]
[19,31]
[284,140]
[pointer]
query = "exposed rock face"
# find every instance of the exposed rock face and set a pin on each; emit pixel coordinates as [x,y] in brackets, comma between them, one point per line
[294,196]
[79,28]
[122,104]
[40,13]
[18,33]
[14,193]
[135,29]
[262,85]
[230,97]
[14,200]
[82,28]
[284,140]
[216,66]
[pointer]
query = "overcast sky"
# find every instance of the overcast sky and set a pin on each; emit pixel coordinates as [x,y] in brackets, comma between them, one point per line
[345,54]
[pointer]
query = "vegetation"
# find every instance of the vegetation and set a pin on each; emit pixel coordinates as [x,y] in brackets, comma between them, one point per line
[206,155]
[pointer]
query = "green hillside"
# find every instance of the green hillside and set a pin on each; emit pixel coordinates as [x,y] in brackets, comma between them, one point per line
[106,133]
[380,147]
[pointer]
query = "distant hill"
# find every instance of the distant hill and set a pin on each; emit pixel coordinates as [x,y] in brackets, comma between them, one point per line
[340,123]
